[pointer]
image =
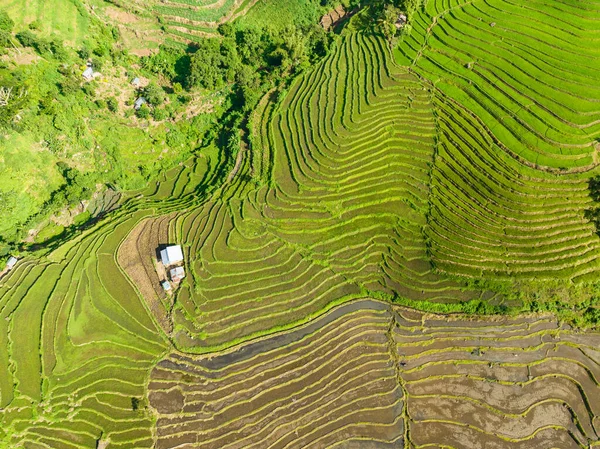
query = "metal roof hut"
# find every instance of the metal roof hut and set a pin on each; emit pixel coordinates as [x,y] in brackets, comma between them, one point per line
[177,274]
[166,285]
[12,261]
[171,255]
[402,19]
[139,102]
[88,74]
[136,82]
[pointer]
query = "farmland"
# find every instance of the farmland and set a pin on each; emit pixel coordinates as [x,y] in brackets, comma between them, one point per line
[371,375]
[320,216]
[54,17]
[528,71]
[365,264]
[193,18]
[180,21]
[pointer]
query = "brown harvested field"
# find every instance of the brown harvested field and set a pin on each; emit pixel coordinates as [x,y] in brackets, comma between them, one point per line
[138,255]
[369,375]
[522,383]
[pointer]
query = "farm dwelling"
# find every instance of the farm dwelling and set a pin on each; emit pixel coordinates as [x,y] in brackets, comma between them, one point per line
[139,103]
[401,21]
[171,255]
[177,274]
[88,74]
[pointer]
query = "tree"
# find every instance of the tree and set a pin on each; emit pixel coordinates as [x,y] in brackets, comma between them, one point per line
[387,21]
[27,38]
[14,96]
[251,46]
[206,68]
[6,23]
[112,104]
[84,53]
[154,94]
[69,85]
[164,62]
[143,111]
[159,114]
[5,39]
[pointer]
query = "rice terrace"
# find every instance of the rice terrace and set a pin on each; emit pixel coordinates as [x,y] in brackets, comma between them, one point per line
[287,224]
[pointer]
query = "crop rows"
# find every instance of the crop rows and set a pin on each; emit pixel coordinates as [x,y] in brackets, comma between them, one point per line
[528,70]
[330,383]
[357,179]
[371,375]
[77,341]
[191,19]
[491,216]
[523,383]
[336,207]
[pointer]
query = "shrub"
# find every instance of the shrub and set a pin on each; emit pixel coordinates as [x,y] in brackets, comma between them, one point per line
[159,114]
[154,94]
[5,39]
[27,38]
[112,104]
[6,23]
[69,85]
[143,112]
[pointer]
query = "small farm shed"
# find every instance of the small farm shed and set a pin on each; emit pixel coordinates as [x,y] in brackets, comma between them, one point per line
[12,261]
[139,102]
[166,285]
[177,274]
[171,255]
[136,82]
[401,21]
[88,74]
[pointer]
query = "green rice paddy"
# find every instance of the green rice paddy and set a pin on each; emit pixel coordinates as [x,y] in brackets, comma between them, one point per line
[66,19]
[397,176]
[528,70]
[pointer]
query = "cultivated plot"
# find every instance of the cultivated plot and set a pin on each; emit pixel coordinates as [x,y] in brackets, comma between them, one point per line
[528,70]
[371,375]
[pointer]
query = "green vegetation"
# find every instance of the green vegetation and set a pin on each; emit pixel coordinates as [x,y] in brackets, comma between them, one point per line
[528,72]
[281,13]
[67,20]
[429,164]
[74,356]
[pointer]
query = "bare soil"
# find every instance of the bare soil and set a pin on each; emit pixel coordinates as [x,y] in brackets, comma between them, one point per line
[292,388]
[121,16]
[333,17]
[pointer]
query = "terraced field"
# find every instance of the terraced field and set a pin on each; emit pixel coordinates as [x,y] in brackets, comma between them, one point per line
[524,382]
[330,382]
[369,375]
[364,179]
[192,19]
[528,70]
[76,341]
[492,216]
[320,215]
